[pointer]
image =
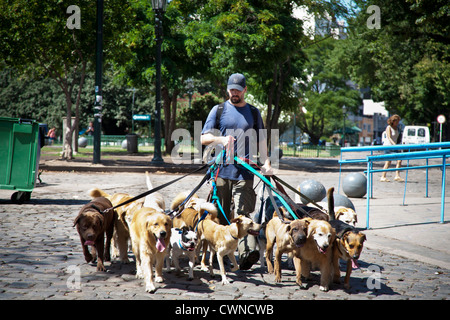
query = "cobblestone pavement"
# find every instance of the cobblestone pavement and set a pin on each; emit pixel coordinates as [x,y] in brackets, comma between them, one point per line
[41,257]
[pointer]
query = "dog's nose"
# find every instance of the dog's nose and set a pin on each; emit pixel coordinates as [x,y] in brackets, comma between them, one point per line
[356,256]
[90,237]
[301,240]
[162,234]
[325,246]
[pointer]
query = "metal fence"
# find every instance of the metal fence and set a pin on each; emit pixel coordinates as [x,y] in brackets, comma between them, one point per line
[311,151]
[305,151]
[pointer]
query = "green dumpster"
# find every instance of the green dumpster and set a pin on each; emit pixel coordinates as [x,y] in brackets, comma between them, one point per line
[19,156]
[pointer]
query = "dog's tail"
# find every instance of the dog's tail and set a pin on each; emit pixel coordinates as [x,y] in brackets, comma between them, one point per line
[179,198]
[330,197]
[96,192]
[147,179]
[210,207]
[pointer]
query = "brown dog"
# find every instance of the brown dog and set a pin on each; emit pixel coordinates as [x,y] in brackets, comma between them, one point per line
[92,225]
[122,223]
[150,232]
[348,246]
[223,240]
[289,236]
[317,252]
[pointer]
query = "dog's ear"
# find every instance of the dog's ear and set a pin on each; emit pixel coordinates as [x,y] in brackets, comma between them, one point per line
[77,220]
[237,220]
[288,228]
[310,231]
[363,238]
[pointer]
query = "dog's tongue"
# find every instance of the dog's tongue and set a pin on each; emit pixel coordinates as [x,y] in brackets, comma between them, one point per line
[89,243]
[355,264]
[160,245]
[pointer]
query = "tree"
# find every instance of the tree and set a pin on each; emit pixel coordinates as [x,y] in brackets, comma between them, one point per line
[406,61]
[138,66]
[261,39]
[41,39]
[326,91]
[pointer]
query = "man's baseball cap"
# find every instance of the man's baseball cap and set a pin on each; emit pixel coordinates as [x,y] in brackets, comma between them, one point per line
[236,81]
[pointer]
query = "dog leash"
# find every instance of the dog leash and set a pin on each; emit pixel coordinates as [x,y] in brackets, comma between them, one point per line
[155,189]
[268,183]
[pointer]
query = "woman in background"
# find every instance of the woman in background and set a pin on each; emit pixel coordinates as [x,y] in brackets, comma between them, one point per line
[392,135]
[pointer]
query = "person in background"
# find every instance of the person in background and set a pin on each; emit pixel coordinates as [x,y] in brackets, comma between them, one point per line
[392,134]
[90,129]
[51,135]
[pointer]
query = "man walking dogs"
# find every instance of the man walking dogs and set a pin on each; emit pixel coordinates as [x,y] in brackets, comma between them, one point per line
[237,121]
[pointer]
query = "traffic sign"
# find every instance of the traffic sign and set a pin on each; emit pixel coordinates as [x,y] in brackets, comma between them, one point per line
[441,118]
[141,117]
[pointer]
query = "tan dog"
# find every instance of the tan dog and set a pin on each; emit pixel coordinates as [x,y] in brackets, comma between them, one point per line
[150,233]
[289,236]
[223,240]
[347,215]
[317,252]
[348,246]
[122,223]
[92,225]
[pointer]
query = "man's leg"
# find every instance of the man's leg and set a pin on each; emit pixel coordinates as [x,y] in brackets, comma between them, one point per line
[245,199]
[224,192]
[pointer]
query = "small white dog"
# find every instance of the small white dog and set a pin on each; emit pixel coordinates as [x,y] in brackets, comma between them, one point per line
[183,242]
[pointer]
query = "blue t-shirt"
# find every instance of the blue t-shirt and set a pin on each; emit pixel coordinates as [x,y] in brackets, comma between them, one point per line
[237,122]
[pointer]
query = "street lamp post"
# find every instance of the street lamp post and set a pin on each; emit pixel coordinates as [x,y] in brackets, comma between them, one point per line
[159,6]
[344,112]
[98,84]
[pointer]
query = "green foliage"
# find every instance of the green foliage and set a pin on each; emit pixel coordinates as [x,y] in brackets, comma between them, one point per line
[326,91]
[406,62]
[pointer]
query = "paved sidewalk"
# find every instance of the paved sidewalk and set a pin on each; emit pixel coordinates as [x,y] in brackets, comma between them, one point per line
[406,256]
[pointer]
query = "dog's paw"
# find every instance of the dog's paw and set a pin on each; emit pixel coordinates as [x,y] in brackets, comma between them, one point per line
[323,288]
[159,279]
[101,267]
[150,288]
[204,268]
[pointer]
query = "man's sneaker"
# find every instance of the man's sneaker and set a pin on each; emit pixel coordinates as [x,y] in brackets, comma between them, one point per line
[248,259]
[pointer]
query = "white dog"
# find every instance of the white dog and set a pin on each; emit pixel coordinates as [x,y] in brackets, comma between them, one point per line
[183,242]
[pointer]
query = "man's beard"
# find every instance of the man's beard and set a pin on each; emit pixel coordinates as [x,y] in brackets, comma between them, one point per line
[235,99]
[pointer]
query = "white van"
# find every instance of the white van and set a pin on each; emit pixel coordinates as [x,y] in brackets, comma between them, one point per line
[416,135]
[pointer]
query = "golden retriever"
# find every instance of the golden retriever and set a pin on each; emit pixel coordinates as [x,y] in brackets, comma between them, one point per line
[317,252]
[150,232]
[92,225]
[223,240]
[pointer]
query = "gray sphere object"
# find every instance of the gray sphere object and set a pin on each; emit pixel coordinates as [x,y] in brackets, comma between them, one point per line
[354,185]
[82,142]
[341,201]
[312,189]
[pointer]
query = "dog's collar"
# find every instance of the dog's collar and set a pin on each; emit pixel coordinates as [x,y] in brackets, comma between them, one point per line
[180,244]
[232,235]
[93,206]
